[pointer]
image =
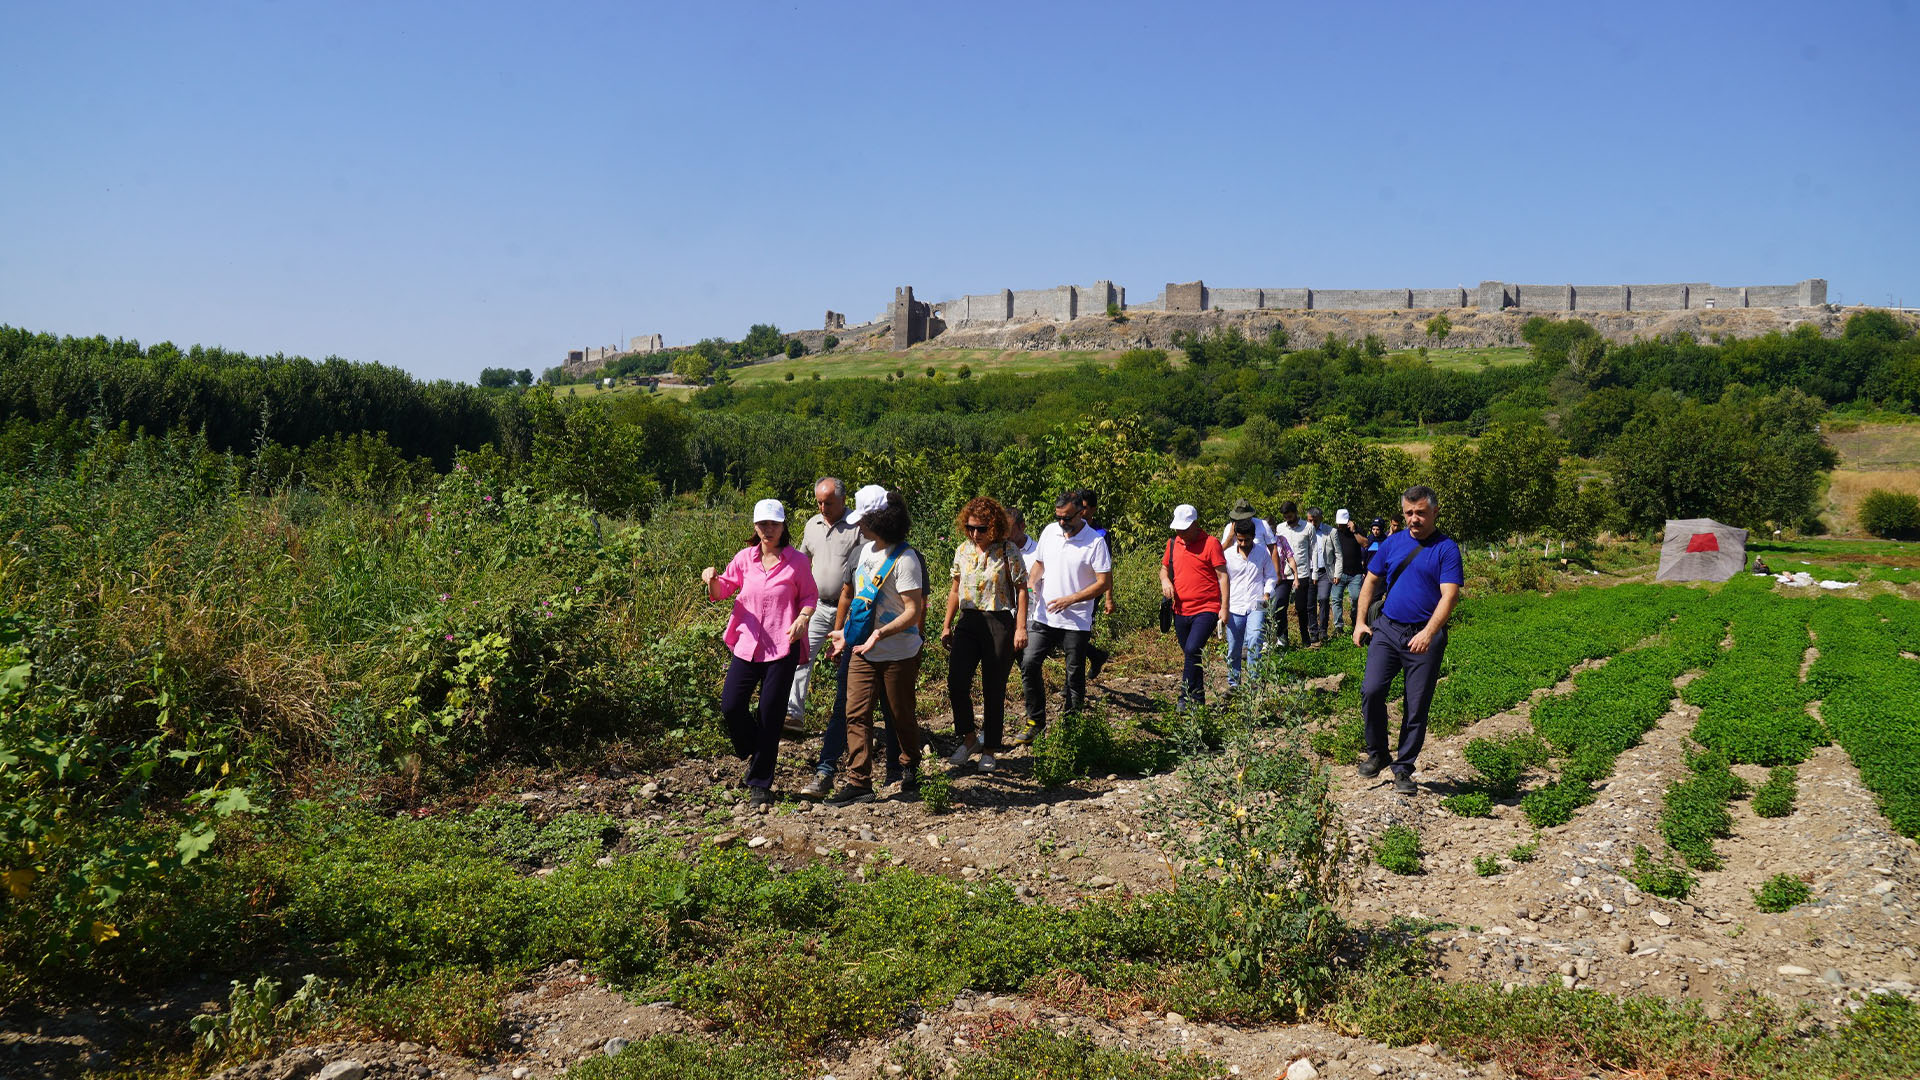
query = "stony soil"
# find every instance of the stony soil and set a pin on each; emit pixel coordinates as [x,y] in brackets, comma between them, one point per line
[1568,917]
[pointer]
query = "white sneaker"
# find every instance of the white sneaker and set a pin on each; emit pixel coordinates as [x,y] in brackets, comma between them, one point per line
[986,763]
[961,754]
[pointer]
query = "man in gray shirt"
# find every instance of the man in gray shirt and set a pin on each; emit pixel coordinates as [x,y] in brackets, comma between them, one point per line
[829,542]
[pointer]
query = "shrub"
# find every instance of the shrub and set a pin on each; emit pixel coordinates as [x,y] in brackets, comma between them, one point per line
[936,791]
[1486,865]
[255,1017]
[965,372]
[1554,804]
[1776,797]
[455,1009]
[1398,850]
[1781,891]
[1894,515]
[1527,852]
[688,1057]
[831,343]
[1696,809]
[1502,761]
[1662,877]
[1469,804]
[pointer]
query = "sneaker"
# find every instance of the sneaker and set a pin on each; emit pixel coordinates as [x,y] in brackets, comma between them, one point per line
[851,793]
[1096,662]
[964,751]
[760,800]
[817,788]
[1371,767]
[909,783]
[1025,738]
[1403,784]
[987,764]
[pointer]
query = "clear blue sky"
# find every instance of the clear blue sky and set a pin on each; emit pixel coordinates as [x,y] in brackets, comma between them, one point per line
[445,187]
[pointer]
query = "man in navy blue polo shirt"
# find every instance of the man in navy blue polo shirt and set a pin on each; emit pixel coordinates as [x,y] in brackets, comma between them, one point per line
[1419,569]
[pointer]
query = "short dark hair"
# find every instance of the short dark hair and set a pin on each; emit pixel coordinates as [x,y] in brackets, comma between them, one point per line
[1089,497]
[1069,497]
[1289,507]
[1421,493]
[890,523]
[1313,511]
[1243,527]
[1018,517]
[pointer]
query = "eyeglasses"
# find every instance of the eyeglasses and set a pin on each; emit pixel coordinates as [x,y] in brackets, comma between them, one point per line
[976,528]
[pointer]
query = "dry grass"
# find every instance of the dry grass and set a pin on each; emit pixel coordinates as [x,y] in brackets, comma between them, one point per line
[1850,486]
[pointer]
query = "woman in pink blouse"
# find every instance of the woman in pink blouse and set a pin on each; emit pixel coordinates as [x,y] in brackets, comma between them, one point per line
[768,637]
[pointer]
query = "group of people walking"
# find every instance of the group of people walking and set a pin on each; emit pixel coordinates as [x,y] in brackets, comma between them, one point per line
[855,588]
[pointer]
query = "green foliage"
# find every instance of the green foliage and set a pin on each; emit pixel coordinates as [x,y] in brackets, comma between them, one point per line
[1751,459]
[936,791]
[1527,852]
[1870,697]
[455,1009]
[1662,877]
[1894,515]
[1555,803]
[1695,809]
[1042,1052]
[1502,761]
[497,378]
[1438,328]
[255,1017]
[508,830]
[1752,703]
[1397,850]
[1486,865]
[1776,797]
[1781,892]
[795,349]
[687,1057]
[1090,741]
[1469,804]
[830,343]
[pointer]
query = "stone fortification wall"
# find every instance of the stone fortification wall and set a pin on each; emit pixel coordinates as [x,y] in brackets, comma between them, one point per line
[1692,296]
[1062,303]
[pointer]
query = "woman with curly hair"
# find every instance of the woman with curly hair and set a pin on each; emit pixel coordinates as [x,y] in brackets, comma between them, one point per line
[989,596]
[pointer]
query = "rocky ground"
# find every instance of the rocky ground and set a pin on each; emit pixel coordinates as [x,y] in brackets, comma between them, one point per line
[1568,917]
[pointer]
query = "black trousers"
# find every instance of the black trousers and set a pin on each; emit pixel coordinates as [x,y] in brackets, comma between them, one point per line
[1301,592]
[1387,655]
[1042,641]
[982,640]
[1192,632]
[756,736]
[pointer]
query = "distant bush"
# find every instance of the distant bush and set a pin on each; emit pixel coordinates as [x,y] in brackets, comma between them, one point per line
[1775,798]
[831,343]
[1781,891]
[1892,515]
[1486,865]
[796,348]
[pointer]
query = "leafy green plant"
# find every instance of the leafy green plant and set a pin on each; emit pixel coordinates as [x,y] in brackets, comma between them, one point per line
[1775,797]
[1781,892]
[1527,852]
[254,1018]
[456,1009]
[1397,850]
[936,791]
[1696,812]
[1501,761]
[688,1057]
[1659,877]
[1555,804]
[1486,865]
[1894,515]
[1469,804]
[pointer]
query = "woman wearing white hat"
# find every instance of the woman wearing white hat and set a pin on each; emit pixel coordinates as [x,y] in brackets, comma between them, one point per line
[767,634]
[1193,574]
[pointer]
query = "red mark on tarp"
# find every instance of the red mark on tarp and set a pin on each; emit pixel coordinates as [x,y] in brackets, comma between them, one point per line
[1703,542]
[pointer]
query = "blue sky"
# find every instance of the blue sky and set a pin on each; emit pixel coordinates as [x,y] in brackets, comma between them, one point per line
[446,187]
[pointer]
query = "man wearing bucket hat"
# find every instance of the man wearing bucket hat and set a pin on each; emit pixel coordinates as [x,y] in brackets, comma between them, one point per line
[1193,575]
[1263,534]
[775,598]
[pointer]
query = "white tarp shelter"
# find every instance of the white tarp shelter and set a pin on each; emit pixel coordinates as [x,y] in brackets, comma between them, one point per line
[1701,549]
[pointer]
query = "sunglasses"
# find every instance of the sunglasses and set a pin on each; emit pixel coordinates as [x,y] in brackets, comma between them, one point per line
[977,528]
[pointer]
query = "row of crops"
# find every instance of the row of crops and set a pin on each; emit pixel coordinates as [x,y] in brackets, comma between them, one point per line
[1745,641]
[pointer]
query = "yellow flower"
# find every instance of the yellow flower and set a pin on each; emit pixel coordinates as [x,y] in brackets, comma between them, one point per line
[104,931]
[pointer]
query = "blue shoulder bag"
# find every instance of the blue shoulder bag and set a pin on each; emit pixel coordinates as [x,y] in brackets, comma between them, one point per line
[860,611]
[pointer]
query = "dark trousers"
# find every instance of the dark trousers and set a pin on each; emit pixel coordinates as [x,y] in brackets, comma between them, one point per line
[1042,641]
[1096,656]
[1323,603]
[983,640]
[833,743]
[756,737]
[1387,655]
[1301,592]
[1192,632]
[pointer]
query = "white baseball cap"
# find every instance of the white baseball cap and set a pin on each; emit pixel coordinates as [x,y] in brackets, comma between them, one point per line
[769,510]
[1341,517]
[1184,516]
[866,501]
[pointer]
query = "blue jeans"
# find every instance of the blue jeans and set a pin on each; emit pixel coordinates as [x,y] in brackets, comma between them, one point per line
[1193,631]
[1346,597]
[1246,634]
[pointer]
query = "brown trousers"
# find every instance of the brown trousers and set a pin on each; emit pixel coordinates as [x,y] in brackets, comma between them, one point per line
[866,681]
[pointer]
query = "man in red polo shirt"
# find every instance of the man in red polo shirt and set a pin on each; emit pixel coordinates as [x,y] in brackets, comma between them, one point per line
[1193,574]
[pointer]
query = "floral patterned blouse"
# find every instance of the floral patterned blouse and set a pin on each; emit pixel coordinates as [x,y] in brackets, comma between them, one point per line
[990,580]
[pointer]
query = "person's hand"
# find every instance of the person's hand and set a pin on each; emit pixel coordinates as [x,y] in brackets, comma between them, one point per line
[1166,589]
[838,641]
[1059,604]
[946,636]
[798,631]
[706,576]
[861,650]
[1020,639]
[1360,632]
[1418,643]
[1109,604]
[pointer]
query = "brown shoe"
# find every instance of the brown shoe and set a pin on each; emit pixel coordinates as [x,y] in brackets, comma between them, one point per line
[818,788]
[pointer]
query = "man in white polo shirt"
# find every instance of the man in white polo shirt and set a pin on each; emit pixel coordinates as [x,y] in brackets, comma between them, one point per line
[1073,569]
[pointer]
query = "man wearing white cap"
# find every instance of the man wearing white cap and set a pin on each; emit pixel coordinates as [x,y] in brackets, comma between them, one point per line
[837,537]
[1193,574]
[1353,570]
[1073,569]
